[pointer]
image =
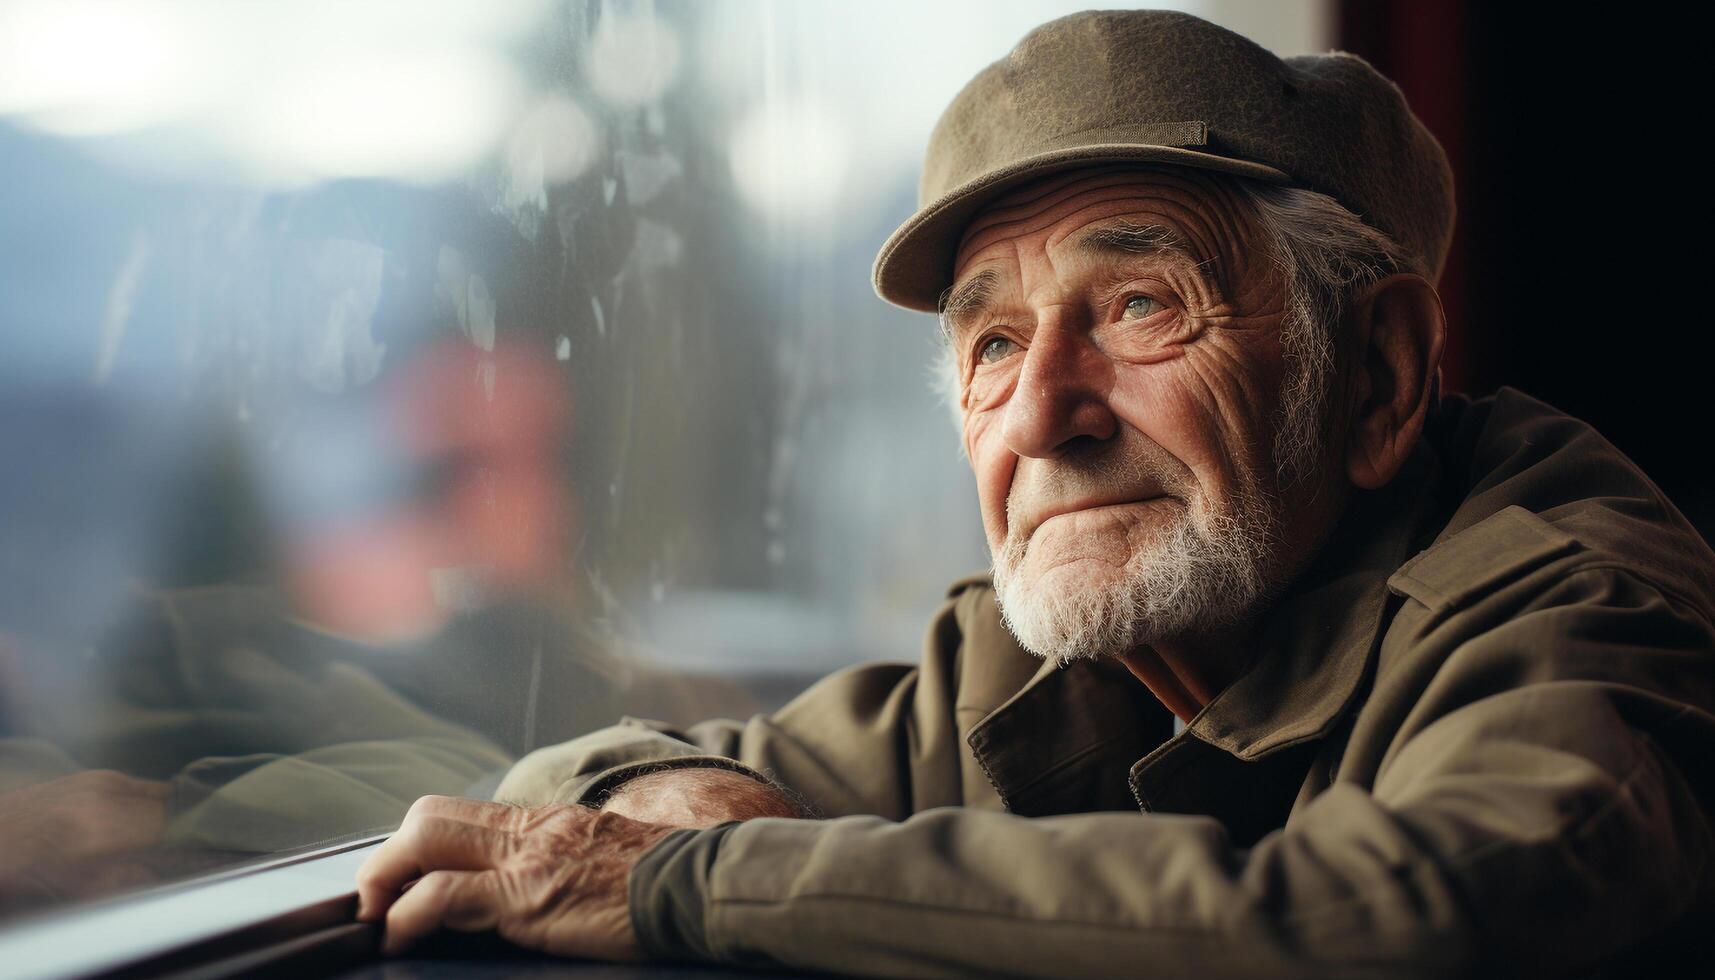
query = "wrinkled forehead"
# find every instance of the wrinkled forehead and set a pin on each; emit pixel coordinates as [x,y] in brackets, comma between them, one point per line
[1200,211]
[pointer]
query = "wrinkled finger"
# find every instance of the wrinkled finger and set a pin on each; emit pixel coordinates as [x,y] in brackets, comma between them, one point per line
[466,901]
[483,812]
[422,845]
[112,784]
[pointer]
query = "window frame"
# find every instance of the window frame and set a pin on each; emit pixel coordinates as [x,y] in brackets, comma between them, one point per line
[297,907]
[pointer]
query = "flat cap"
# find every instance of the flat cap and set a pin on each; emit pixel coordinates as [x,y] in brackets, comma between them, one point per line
[1156,86]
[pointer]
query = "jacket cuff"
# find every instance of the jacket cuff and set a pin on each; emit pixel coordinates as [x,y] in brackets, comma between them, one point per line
[596,791]
[669,889]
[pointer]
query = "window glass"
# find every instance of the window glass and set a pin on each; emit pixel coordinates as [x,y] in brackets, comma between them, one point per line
[389,389]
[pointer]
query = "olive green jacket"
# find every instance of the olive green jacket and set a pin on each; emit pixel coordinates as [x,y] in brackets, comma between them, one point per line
[1478,737]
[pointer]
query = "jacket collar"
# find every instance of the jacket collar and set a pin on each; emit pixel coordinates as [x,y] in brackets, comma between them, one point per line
[1316,643]
[1075,739]
[1065,743]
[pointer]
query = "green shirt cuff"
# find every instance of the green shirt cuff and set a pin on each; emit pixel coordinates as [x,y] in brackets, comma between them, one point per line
[669,894]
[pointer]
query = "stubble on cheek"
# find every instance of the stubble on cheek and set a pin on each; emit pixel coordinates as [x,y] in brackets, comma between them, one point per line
[993,469]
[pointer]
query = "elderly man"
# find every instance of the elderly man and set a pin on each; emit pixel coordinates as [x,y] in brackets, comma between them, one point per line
[1289,664]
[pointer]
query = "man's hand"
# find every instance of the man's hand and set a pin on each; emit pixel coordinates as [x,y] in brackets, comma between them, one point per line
[552,878]
[77,836]
[699,797]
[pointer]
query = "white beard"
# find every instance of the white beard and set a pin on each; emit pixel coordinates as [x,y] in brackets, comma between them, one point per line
[1199,572]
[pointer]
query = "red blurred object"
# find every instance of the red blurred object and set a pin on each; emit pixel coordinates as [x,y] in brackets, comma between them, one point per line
[487,429]
[493,423]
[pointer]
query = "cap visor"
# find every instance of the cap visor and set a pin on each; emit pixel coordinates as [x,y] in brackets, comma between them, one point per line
[916,262]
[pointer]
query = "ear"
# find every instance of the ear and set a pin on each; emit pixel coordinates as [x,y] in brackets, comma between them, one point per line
[1397,330]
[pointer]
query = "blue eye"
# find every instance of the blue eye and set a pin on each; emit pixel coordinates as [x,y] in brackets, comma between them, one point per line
[1139,307]
[995,349]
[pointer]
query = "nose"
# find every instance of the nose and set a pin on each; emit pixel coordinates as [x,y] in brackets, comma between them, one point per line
[1060,395]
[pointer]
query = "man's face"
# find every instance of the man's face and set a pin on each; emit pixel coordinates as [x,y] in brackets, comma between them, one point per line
[1118,340]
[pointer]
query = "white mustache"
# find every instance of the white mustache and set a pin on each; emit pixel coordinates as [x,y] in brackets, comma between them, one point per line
[1120,470]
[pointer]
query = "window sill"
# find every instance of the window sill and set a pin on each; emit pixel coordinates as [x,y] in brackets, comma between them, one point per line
[220,925]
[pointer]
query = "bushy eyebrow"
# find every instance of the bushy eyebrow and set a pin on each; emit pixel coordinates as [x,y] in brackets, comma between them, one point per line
[1121,238]
[959,303]
[1124,238]
[1132,238]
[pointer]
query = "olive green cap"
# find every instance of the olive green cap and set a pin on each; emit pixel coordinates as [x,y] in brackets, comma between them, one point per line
[1156,86]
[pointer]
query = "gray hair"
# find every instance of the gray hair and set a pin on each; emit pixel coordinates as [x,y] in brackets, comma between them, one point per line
[1326,255]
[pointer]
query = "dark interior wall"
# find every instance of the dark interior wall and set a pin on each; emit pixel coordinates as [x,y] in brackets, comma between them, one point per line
[1581,268]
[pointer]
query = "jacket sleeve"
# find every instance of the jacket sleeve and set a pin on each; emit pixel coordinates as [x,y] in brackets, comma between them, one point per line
[1542,813]
[873,739]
